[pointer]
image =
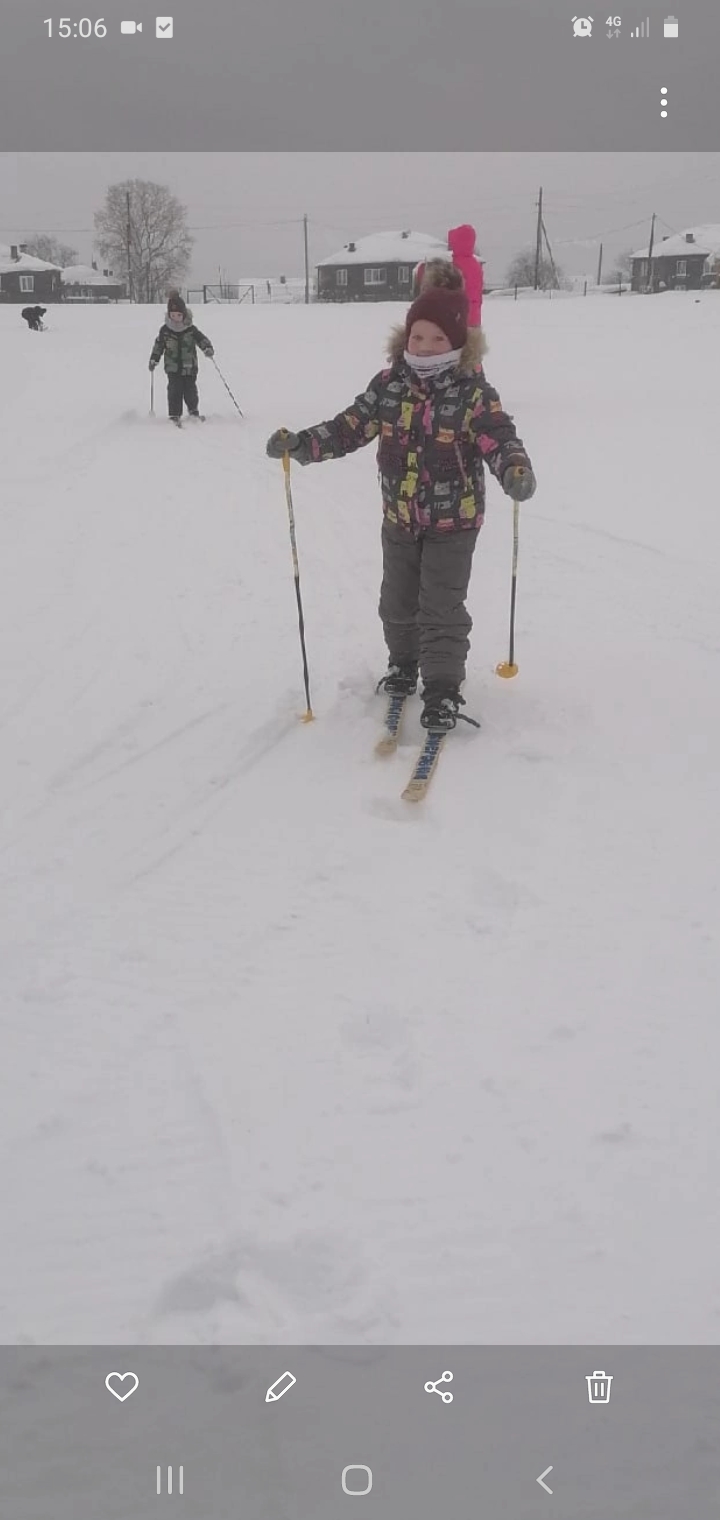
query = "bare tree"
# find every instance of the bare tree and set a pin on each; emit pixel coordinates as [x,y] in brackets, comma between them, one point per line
[142,228]
[621,273]
[522,271]
[42,246]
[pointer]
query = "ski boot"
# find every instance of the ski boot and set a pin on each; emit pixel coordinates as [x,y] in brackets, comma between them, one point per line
[401,679]
[442,702]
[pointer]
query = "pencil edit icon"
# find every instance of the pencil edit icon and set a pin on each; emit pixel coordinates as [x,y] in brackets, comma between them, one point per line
[279,1387]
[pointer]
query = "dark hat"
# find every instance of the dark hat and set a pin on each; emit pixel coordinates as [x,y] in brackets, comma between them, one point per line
[175,302]
[448,309]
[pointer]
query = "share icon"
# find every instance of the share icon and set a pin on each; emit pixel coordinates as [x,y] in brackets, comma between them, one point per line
[446,1396]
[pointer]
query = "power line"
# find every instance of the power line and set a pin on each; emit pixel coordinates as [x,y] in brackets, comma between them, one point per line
[605,233]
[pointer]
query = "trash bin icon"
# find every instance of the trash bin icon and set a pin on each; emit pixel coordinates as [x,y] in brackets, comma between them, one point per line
[599,1388]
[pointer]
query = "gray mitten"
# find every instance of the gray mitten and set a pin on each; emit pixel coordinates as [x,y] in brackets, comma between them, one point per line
[519,482]
[282,442]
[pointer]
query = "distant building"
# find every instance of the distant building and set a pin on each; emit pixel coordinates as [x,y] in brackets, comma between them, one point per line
[377,268]
[683,261]
[85,282]
[27,281]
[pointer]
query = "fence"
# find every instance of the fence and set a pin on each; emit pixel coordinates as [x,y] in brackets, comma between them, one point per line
[223,295]
[526,293]
[254,292]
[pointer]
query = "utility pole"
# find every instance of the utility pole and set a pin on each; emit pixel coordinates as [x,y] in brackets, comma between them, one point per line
[538,240]
[599,273]
[307,261]
[128,239]
[648,290]
[550,256]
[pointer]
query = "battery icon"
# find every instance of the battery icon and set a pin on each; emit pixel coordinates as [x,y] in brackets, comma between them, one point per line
[670,27]
[279,1387]
[129,28]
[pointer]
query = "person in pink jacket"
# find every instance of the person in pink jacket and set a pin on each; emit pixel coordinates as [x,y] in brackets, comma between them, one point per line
[461,242]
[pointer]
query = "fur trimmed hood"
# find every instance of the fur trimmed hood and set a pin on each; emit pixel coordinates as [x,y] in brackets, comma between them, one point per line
[471,357]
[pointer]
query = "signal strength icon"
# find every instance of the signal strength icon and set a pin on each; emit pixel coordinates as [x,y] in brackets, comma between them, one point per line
[643,30]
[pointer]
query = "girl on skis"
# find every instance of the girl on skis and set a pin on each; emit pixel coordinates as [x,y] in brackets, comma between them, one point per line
[437,421]
[178,340]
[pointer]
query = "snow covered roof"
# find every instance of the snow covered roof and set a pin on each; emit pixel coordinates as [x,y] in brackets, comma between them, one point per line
[25,264]
[389,248]
[704,240]
[84,274]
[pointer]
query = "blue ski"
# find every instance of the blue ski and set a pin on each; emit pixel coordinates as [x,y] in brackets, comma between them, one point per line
[424,768]
[388,744]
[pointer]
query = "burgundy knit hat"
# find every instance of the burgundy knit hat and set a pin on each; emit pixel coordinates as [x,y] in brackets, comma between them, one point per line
[448,309]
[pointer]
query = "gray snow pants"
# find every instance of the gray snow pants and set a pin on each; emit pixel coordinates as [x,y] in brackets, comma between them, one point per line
[182,388]
[422,600]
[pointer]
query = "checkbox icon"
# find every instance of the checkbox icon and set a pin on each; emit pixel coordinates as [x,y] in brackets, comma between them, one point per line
[163,26]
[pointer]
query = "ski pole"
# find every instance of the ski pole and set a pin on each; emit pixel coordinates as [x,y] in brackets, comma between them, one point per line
[152,393]
[508,668]
[309,714]
[227,387]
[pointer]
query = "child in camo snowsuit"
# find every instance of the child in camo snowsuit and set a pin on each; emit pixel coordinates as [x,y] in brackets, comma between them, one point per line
[437,421]
[178,340]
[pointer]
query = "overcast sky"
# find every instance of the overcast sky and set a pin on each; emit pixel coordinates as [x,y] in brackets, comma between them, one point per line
[246,210]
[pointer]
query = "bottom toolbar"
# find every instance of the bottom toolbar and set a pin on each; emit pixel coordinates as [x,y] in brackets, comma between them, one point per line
[315,1433]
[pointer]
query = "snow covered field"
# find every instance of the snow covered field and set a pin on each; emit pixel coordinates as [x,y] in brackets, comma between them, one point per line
[283,1059]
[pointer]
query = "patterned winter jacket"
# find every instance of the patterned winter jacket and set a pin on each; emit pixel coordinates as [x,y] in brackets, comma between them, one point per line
[433,439]
[179,346]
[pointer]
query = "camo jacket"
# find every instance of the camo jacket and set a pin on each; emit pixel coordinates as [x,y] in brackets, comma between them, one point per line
[179,348]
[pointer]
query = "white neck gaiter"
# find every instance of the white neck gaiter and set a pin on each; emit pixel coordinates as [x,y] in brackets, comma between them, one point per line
[429,366]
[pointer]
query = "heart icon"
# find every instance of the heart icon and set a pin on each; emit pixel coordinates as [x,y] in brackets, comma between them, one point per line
[114,1379]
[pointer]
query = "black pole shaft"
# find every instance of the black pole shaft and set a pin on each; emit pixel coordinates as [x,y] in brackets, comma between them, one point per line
[227,387]
[512,618]
[301,624]
[296,573]
[513,588]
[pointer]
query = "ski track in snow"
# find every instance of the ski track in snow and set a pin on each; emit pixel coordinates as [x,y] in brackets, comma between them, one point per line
[285,1059]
